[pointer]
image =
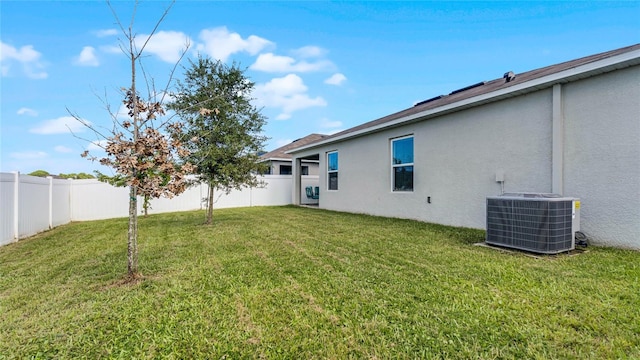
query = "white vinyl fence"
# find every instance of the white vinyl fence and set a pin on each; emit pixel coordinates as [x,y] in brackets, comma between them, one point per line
[29,205]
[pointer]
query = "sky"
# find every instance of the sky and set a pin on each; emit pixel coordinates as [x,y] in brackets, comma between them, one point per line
[318,67]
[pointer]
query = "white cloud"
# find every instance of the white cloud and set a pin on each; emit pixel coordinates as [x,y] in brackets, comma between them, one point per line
[167,45]
[106,32]
[27,111]
[276,63]
[28,155]
[62,149]
[26,56]
[219,43]
[328,124]
[309,52]
[60,125]
[336,79]
[285,86]
[287,93]
[87,57]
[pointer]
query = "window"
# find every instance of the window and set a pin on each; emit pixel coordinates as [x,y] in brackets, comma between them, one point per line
[304,170]
[285,169]
[402,163]
[332,170]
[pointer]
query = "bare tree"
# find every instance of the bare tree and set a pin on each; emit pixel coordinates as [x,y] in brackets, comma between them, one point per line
[143,149]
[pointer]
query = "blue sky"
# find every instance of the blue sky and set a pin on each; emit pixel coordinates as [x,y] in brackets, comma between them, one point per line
[319,67]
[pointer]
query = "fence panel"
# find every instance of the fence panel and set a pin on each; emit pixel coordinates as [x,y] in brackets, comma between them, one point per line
[7,213]
[33,205]
[235,198]
[61,202]
[95,200]
[44,202]
[276,192]
[188,200]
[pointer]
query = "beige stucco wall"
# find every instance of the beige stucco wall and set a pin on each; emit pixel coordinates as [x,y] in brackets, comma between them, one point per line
[275,166]
[602,155]
[457,157]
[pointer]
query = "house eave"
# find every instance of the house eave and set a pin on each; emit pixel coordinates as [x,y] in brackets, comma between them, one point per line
[275,159]
[594,68]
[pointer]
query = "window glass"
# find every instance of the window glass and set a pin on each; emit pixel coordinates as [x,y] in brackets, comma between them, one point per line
[403,178]
[403,151]
[305,170]
[332,160]
[285,169]
[402,164]
[332,170]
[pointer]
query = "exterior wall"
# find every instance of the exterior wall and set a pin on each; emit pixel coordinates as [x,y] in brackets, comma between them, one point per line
[457,156]
[308,180]
[314,168]
[275,166]
[602,155]
[456,159]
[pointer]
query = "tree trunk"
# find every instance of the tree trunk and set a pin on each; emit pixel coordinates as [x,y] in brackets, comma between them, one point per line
[132,245]
[132,248]
[210,206]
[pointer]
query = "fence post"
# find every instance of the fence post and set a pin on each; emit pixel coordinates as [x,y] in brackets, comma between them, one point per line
[71,203]
[50,202]
[16,207]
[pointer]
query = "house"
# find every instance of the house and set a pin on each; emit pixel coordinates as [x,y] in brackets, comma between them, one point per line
[571,129]
[280,161]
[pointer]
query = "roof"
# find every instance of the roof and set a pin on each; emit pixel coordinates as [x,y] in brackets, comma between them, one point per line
[281,152]
[488,91]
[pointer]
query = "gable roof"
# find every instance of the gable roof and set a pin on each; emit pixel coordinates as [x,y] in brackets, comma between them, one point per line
[281,152]
[489,91]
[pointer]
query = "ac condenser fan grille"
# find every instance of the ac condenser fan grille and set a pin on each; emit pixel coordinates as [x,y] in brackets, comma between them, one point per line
[536,225]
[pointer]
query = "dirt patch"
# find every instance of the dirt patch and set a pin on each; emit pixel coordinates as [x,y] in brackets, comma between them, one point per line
[129,280]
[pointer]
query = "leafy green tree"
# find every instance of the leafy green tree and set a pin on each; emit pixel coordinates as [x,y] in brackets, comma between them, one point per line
[40,173]
[223,129]
[77,176]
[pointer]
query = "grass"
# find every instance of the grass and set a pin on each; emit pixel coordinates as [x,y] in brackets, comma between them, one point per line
[287,282]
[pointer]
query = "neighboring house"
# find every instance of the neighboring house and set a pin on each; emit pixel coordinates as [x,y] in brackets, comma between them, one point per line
[572,129]
[280,161]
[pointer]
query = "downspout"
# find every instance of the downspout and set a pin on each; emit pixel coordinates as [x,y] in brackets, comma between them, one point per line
[557,142]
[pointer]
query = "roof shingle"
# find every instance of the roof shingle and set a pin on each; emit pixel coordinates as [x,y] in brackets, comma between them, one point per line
[280,153]
[477,89]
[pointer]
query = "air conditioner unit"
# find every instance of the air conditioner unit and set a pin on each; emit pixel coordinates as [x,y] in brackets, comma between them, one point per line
[540,223]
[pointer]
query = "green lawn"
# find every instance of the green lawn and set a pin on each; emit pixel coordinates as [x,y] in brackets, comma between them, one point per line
[297,283]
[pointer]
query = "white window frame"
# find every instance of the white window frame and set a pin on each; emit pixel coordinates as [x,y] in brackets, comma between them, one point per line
[329,171]
[394,166]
